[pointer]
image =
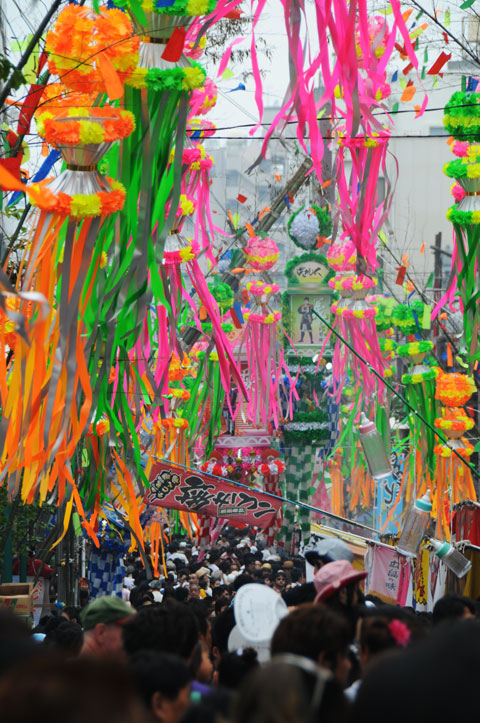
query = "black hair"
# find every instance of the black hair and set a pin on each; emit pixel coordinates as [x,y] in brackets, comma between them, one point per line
[66,638]
[233,667]
[169,627]
[309,631]
[301,594]
[223,625]
[141,595]
[240,580]
[451,607]
[158,672]
[200,609]
[295,574]
[434,681]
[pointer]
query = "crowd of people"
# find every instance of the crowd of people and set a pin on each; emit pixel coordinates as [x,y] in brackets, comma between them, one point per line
[163,651]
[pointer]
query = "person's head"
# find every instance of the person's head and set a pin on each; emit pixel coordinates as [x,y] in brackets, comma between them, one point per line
[80,690]
[141,595]
[169,627]
[378,634]
[452,607]
[163,683]
[233,667]
[223,625]
[289,689]
[296,575]
[306,298]
[194,591]
[203,576]
[435,680]
[16,642]
[329,549]
[280,580]
[315,632]
[65,639]
[103,620]
[338,580]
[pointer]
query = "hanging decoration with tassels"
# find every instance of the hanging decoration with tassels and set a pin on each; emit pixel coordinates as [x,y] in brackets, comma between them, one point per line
[453,481]
[265,360]
[462,121]
[54,412]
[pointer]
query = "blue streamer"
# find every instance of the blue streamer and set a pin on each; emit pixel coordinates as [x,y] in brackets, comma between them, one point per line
[42,173]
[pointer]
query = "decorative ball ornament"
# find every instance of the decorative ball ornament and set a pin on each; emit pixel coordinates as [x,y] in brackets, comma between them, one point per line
[204,99]
[408,317]
[462,116]
[342,256]
[223,295]
[261,253]
[378,33]
[454,390]
[86,49]
[309,227]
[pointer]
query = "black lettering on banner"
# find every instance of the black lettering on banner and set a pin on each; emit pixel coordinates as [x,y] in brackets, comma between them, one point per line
[389,491]
[163,484]
[304,271]
[195,494]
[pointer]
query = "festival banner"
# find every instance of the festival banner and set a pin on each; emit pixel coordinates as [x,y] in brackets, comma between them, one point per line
[183,488]
[386,495]
[388,574]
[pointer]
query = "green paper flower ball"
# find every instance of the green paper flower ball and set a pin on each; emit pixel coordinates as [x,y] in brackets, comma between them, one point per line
[462,116]
[404,318]
[223,295]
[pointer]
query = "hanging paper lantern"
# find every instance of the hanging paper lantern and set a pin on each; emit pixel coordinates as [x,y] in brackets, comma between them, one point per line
[261,253]
[178,250]
[262,291]
[462,121]
[80,190]
[454,482]
[265,361]
[162,24]
[309,227]
[198,128]
[92,52]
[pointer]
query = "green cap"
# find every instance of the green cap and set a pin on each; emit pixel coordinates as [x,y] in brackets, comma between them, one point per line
[105,610]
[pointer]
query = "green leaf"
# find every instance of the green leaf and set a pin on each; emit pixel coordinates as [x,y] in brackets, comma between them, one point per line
[477,447]
[467,4]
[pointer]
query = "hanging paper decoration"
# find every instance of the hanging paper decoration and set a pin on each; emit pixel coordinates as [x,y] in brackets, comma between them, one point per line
[384,323]
[162,29]
[355,320]
[309,227]
[462,121]
[92,52]
[453,481]
[204,99]
[261,253]
[265,358]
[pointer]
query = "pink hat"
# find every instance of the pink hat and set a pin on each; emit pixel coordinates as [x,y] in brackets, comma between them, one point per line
[333,576]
